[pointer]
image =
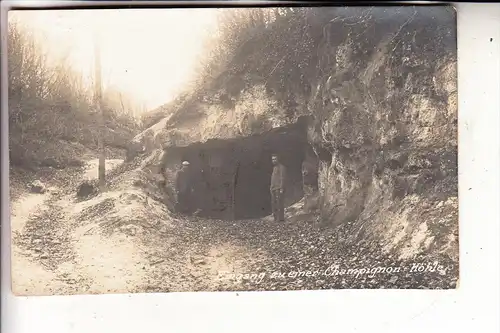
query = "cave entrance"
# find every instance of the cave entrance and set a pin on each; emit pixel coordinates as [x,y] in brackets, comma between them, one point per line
[252,180]
[232,177]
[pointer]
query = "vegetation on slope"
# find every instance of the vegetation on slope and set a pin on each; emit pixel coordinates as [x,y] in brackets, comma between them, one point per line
[52,116]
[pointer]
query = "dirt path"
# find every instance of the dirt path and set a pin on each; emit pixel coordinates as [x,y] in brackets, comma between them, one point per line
[111,264]
[55,251]
[52,255]
[196,266]
[28,276]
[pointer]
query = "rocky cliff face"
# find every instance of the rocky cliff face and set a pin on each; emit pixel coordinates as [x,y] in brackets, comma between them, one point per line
[380,86]
[392,132]
[393,172]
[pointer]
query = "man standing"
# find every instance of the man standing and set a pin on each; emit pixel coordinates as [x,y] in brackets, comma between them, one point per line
[184,188]
[278,190]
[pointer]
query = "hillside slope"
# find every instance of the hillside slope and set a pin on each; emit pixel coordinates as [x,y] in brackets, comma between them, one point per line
[376,92]
[381,87]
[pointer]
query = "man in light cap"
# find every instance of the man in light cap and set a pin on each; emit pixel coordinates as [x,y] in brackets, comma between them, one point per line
[184,188]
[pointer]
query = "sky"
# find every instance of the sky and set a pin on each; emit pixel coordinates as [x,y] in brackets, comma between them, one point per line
[146,53]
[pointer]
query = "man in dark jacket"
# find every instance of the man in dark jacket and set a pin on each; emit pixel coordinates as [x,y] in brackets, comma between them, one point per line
[184,188]
[278,178]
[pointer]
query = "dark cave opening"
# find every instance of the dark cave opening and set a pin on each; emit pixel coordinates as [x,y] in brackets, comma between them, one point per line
[252,196]
[232,177]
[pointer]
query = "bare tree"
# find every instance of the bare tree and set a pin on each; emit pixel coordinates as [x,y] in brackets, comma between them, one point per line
[100,110]
[50,104]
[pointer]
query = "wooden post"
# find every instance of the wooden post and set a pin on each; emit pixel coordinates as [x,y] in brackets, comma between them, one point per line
[233,191]
[100,110]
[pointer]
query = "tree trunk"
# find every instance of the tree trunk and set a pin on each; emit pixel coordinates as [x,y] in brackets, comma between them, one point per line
[100,110]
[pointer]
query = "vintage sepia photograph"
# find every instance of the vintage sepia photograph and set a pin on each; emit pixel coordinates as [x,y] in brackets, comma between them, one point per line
[233,149]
